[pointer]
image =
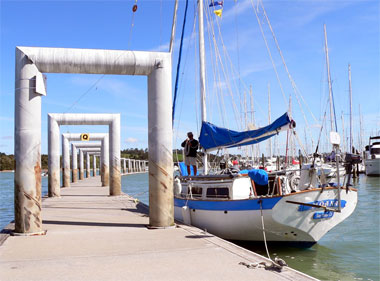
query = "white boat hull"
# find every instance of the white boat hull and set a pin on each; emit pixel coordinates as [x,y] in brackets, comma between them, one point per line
[283,222]
[372,167]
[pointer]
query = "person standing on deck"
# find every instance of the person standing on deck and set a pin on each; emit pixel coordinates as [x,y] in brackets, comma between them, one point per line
[191,147]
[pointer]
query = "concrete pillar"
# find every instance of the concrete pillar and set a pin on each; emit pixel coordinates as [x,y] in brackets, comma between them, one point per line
[27,150]
[161,203]
[105,162]
[94,165]
[53,158]
[74,162]
[81,165]
[125,165]
[88,165]
[65,162]
[114,133]
[129,166]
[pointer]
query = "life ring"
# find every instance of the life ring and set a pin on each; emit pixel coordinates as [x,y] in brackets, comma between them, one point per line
[294,181]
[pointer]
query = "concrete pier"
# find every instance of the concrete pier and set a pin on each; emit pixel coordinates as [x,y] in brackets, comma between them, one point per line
[93,236]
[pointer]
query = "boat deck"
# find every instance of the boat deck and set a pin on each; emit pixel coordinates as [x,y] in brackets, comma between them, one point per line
[92,236]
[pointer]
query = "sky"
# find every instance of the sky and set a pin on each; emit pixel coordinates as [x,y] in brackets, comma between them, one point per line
[353,32]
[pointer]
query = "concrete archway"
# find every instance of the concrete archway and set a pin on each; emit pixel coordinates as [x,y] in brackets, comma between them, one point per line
[31,62]
[104,157]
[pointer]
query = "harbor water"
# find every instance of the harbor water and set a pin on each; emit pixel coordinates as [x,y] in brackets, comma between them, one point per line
[350,251]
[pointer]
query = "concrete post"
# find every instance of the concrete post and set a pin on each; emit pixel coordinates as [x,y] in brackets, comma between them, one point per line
[124,165]
[94,165]
[53,158]
[87,165]
[81,165]
[65,162]
[105,162]
[74,162]
[129,166]
[161,203]
[114,133]
[27,177]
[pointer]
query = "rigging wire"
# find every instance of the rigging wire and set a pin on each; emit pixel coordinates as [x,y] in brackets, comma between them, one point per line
[269,52]
[218,94]
[134,9]
[225,75]
[179,62]
[182,81]
[296,91]
[238,51]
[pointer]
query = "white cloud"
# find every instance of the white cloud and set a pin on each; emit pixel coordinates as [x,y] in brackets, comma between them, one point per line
[131,140]
[115,87]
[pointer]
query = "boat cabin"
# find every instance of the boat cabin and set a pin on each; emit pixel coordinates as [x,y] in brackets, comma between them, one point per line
[226,187]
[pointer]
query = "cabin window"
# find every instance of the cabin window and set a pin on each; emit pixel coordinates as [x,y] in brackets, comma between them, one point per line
[195,191]
[375,150]
[221,192]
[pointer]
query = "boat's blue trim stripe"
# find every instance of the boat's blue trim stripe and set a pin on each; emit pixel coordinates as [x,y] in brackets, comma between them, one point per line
[232,205]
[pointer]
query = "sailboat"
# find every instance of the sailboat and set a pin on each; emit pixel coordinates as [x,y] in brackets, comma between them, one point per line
[252,204]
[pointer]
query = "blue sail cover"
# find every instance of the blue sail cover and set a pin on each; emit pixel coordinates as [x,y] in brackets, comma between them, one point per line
[213,137]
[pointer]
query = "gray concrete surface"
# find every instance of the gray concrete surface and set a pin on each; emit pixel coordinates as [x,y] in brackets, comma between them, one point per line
[93,236]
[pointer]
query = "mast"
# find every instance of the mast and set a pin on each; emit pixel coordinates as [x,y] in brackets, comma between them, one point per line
[269,121]
[202,68]
[245,121]
[252,122]
[343,133]
[350,91]
[329,81]
[360,130]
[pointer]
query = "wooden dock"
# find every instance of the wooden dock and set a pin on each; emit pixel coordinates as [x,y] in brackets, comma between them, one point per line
[93,236]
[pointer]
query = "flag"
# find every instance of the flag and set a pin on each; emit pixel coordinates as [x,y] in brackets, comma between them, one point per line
[218,12]
[216,3]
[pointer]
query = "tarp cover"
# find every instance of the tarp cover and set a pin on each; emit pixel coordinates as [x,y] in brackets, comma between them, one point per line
[258,176]
[183,169]
[213,137]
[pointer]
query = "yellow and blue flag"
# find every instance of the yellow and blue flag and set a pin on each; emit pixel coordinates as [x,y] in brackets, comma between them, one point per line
[216,3]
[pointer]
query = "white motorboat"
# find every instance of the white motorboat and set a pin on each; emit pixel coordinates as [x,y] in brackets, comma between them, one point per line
[372,157]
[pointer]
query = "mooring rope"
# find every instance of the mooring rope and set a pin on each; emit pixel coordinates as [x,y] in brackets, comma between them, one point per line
[262,225]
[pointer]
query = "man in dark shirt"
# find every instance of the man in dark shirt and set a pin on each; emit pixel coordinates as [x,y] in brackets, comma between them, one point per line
[191,147]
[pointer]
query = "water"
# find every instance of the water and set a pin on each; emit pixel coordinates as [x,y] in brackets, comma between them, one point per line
[351,251]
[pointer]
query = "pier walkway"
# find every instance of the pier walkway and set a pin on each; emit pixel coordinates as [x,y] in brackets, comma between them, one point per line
[92,236]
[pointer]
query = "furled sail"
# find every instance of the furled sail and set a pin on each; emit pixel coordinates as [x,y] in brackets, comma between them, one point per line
[213,137]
